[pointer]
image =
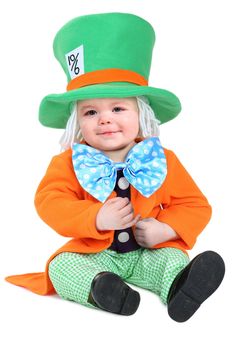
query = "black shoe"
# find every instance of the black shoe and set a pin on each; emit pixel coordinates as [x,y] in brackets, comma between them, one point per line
[110,293]
[194,285]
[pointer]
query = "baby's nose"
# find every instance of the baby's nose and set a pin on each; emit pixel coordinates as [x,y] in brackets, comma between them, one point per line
[105,119]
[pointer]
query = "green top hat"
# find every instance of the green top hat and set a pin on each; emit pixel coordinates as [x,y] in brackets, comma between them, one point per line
[105,55]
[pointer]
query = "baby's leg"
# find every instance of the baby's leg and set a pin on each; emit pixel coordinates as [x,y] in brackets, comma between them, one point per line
[182,285]
[72,274]
[92,280]
[156,270]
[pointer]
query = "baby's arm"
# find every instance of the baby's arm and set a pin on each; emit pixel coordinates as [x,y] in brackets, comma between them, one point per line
[185,208]
[60,202]
[184,214]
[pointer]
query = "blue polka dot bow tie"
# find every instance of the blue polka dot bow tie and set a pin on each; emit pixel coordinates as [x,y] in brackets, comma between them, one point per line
[144,168]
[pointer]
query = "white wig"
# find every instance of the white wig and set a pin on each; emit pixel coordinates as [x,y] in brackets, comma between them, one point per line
[148,124]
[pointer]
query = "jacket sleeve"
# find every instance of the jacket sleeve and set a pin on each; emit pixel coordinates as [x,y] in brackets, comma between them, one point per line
[185,208]
[60,202]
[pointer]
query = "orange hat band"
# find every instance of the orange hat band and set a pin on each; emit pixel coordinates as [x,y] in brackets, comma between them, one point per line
[106,76]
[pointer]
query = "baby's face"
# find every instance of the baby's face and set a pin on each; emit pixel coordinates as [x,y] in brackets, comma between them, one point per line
[109,124]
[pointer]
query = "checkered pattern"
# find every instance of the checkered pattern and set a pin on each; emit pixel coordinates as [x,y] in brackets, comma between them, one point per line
[155,270]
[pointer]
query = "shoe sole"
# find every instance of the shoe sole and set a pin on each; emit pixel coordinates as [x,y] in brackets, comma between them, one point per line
[112,294]
[204,277]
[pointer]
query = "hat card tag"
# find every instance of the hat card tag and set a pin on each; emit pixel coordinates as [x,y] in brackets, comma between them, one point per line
[75,62]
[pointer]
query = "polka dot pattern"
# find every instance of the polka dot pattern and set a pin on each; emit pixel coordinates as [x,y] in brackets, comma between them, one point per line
[145,168]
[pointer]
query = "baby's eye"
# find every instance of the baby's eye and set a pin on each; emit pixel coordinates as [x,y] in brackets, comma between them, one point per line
[118,109]
[90,112]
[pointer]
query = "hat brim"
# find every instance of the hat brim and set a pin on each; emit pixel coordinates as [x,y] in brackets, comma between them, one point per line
[55,109]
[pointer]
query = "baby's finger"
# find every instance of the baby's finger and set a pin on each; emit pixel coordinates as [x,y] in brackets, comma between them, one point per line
[126,210]
[131,223]
[127,218]
[128,225]
[114,200]
[140,225]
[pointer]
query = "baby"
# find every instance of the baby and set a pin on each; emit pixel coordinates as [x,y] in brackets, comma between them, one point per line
[129,205]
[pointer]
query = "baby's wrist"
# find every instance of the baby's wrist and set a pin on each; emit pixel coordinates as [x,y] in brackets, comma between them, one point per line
[99,225]
[170,233]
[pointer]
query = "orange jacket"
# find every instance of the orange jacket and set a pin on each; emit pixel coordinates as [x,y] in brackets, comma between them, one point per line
[67,208]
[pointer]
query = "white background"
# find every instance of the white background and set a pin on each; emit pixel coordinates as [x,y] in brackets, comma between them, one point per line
[194,57]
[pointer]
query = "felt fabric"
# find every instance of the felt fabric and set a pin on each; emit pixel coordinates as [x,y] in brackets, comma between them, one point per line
[71,211]
[106,76]
[98,54]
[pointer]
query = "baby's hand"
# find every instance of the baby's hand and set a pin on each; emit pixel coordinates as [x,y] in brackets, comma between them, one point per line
[149,232]
[116,213]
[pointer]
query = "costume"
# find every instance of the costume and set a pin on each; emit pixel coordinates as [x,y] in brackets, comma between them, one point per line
[165,191]
[63,204]
[112,63]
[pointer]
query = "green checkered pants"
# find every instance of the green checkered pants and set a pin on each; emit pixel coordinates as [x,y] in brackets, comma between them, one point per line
[153,269]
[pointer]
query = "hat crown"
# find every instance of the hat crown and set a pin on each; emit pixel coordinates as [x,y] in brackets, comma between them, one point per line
[105,41]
